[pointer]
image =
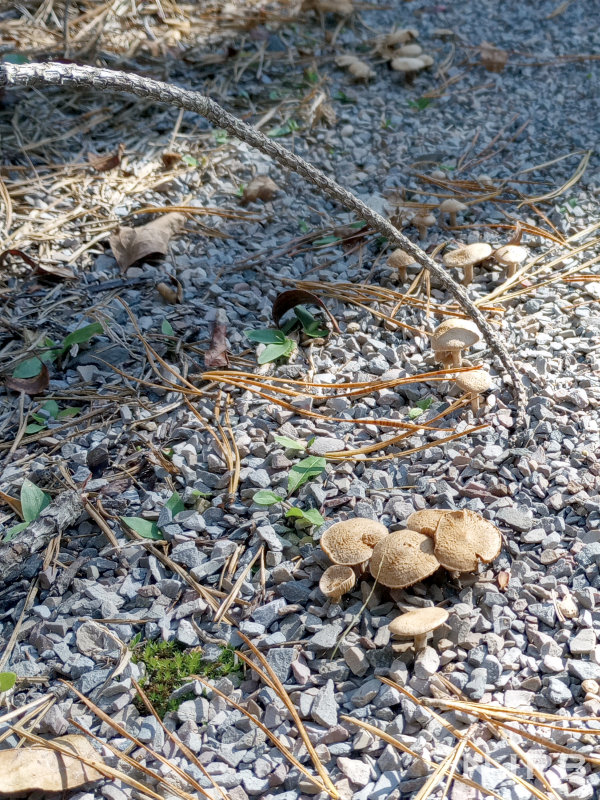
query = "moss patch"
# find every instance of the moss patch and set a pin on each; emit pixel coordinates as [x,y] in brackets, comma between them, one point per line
[168,666]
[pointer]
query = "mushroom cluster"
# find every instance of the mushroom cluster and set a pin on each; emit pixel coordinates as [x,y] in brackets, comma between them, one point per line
[456,540]
[360,69]
[403,53]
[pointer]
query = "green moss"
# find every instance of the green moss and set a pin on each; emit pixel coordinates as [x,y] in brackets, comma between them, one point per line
[168,666]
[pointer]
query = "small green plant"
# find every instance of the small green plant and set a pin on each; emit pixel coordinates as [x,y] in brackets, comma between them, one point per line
[148,529]
[311,515]
[284,130]
[420,104]
[420,407]
[278,344]
[33,366]
[190,161]
[7,681]
[52,408]
[168,666]
[342,97]
[220,137]
[33,501]
[167,328]
[304,471]
[303,225]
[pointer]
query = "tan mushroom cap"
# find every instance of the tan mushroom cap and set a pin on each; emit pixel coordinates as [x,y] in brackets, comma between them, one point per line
[475,381]
[510,254]
[452,206]
[425,521]
[418,622]
[403,558]
[337,580]
[346,59]
[361,70]
[399,259]
[260,188]
[469,255]
[455,334]
[464,538]
[403,64]
[426,59]
[352,541]
[410,51]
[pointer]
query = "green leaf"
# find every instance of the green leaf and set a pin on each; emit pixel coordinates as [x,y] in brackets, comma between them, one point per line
[28,369]
[167,328]
[274,351]
[415,412]
[82,335]
[315,330]
[419,104]
[328,240]
[33,500]
[303,226]
[310,441]
[305,317]
[310,515]
[12,532]
[144,527]
[51,406]
[266,498]
[190,161]
[175,504]
[291,444]
[71,411]
[135,641]
[301,473]
[34,428]
[15,58]
[7,681]
[291,346]
[266,336]
[360,224]
[424,403]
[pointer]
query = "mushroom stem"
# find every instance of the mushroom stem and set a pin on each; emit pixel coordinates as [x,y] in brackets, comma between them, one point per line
[452,218]
[511,269]
[402,274]
[456,359]
[422,232]
[420,642]
[475,402]
[468,274]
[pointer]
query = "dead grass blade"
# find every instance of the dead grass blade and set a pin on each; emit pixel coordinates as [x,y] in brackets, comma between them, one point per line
[291,758]
[577,175]
[8,213]
[280,689]
[227,603]
[443,768]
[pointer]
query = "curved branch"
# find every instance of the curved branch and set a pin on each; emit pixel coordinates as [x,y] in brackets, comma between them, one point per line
[103,80]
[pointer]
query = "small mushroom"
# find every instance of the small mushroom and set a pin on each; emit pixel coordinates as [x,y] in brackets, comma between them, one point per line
[409,66]
[425,521]
[409,51]
[336,581]
[452,207]
[361,71]
[351,542]
[511,255]
[474,382]
[426,59]
[400,260]
[403,558]
[422,222]
[466,257]
[418,624]
[260,188]
[463,539]
[451,337]
[346,60]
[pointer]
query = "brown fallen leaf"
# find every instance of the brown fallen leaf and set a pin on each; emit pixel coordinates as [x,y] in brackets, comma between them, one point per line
[291,298]
[216,355]
[55,271]
[37,767]
[13,503]
[106,163]
[260,188]
[31,386]
[132,244]
[19,254]
[170,159]
[170,294]
[493,58]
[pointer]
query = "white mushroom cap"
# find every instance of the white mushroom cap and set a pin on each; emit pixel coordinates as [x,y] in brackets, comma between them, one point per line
[452,206]
[426,59]
[510,254]
[475,381]
[455,334]
[403,558]
[426,521]
[361,70]
[337,580]
[346,59]
[468,255]
[464,538]
[352,541]
[399,258]
[410,50]
[418,622]
[407,64]
[425,219]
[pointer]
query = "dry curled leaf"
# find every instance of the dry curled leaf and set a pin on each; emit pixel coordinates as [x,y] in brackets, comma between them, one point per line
[260,188]
[216,355]
[13,502]
[493,58]
[170,159]
[55,270]
[31,386]
[132,244]
[37,767]
[291,298]
[172,294]
[106,163]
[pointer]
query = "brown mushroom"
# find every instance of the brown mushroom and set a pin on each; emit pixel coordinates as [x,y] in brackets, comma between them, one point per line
[452,207]
[511,255]
[352,541]
[260,188]
[425,521]
[336,581]
[474,382]
[400,260]
[418,624]
[466,257]
[422,222]
[451,337]
[403,558]
[463,539]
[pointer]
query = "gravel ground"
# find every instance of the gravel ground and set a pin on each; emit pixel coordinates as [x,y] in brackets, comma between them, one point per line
[529,643]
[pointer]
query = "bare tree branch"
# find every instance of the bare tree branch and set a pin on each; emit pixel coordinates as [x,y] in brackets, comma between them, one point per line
[102,80]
